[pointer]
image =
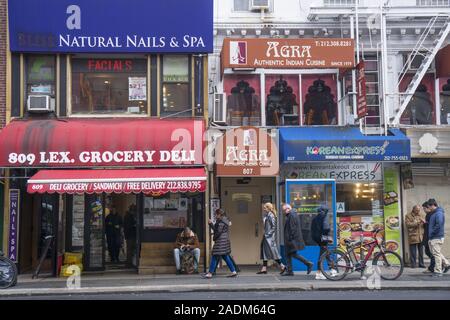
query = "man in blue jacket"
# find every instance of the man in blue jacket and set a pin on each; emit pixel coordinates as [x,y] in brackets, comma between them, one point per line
[436,237]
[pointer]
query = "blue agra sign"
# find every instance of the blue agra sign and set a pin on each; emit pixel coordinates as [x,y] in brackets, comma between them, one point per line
[13,239]
[111,26]
[341,144]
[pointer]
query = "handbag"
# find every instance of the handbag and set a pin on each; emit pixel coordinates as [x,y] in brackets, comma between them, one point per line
[327,239]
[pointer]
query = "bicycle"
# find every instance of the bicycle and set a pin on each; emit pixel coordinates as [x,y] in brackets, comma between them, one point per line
[8,272]
[336,264]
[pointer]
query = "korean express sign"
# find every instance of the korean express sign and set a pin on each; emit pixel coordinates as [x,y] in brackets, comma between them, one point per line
[342,144]
[111,25]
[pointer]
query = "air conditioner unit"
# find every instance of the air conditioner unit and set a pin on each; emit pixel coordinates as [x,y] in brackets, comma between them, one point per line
[220,109]
[40,103]
[260,4]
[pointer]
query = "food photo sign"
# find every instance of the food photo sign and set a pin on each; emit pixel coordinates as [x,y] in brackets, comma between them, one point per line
[391,211]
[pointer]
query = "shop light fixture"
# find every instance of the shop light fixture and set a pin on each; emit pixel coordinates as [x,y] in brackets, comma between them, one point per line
[301,32]
[243,32]
[258,32]
[358,185]
[106,82]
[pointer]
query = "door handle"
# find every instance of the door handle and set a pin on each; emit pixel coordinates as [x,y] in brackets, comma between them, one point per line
[257,230]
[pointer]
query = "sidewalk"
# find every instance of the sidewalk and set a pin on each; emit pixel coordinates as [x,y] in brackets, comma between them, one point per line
[412,279]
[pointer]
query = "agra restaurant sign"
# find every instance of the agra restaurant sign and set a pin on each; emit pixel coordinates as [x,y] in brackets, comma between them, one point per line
[247,151]
[288,53]
[111,26]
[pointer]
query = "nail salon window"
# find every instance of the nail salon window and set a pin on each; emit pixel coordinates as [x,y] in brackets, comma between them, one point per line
[109,86]
[176,98]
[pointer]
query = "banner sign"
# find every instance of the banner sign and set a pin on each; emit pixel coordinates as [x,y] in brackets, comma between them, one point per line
[392,211]
[247,151]
[13,240]
[147,187]
[288,53]
[111,26]
[341,172]
[361,83]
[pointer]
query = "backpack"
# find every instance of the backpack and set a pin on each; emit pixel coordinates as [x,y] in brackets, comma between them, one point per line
[187,262]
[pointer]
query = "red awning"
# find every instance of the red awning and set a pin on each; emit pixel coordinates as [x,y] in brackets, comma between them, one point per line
[149,181]
[121,142]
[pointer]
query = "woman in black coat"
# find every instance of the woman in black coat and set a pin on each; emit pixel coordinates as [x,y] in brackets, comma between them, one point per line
[222,245]
[320,228]
[293,241]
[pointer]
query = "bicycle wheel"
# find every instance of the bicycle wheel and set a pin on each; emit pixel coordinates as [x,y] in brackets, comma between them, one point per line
[8,273]
[334,264]
[388,264]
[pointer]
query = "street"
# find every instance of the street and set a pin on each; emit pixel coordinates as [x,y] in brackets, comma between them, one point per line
[258,295]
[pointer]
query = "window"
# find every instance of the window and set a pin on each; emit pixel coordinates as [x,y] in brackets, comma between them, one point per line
[246,5]
[340,2]
[243,100]
[445,101]
[282,103]
[40,75]
[176,86]
[241,5]
[319,99]
[421,108]
[433,3]
[360,198]
[109,86]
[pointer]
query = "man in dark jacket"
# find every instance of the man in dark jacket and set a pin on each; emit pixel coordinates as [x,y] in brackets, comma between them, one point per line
[129,230]
[425,237]
[436,237]
[113,233]
[293,241]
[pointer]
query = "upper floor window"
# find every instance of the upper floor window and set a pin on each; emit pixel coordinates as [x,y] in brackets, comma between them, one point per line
[340,2]
[40,75]
[109,86]
[176,98]
[249,5]
[433,3]
[421,108]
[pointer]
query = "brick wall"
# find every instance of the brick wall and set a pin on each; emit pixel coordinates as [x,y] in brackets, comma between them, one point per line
[2,63]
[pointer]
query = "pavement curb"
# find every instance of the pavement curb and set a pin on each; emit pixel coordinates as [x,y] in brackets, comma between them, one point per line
[212,288]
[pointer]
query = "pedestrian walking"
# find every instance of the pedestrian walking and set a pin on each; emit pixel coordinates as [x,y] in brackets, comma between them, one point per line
[436,238]
[293,241]
[426,245]
[269,247]
[113,231]
[320,233]
[415,221]
[222,245]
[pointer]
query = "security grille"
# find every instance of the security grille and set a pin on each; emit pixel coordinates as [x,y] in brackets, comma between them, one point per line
[433,3]
[340,2]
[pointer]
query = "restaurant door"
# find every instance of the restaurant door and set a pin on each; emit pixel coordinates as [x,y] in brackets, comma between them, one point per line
[305,197]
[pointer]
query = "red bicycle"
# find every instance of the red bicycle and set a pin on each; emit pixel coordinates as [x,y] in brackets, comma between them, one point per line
[336,263]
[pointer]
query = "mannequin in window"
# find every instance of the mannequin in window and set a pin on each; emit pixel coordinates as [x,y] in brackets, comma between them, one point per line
[445,103]
[420,108]
[280,101]
[319,105]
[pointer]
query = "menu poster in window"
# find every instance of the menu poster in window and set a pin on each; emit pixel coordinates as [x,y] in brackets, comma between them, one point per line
[148,203]
[165,219]
[137,88]
[215,204]
[391,211]
[78,221]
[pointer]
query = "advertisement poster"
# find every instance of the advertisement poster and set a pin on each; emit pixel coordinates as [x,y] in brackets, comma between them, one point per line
[356,227]
[391,211]
[137,88]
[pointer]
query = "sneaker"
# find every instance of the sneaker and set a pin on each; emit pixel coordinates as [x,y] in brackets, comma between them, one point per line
[310,267]
[178,271]
[334,273]
[447,268]
[436,275]
[363,278]
[320,276]
[428,271]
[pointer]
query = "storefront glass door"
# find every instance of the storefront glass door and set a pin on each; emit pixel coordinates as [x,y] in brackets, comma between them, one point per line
[305,197]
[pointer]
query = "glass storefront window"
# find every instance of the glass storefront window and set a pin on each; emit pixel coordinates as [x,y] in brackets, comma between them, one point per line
[40,75]
[282,103]
[175,86]
[305,199]
[109,86]
[169,211]
[360,198]
[319,99]
[243,100]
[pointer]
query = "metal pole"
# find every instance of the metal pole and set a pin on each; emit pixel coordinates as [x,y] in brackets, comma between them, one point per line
[384,67]
[352,35]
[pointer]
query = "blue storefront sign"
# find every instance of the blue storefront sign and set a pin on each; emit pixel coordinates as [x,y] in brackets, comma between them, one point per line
[160,26]
[341,144]
[13,239]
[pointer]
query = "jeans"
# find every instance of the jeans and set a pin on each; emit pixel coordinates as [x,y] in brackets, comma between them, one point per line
[413,248]
[439,259]
[429,254]
[215,260]
[177,253]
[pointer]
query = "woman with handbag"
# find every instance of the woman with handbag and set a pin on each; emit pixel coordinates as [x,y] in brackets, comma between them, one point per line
[269,247]
[320,230]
